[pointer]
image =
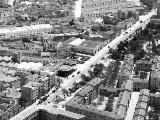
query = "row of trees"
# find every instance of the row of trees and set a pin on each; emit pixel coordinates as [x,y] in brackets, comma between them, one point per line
[85,79]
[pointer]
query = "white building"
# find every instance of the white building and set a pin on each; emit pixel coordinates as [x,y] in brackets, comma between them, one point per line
[25,31]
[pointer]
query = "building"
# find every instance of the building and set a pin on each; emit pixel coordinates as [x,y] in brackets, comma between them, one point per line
[44,80]
[107,91]
[6,12]
[154,99]
[123,103]
[142,105]
[149,3]
[155,80]
[126,69]
[43,112]
[83,46]
[81,103]
[143,65]
[8,81]
[139,84]
[18,32]
[92,9]
[30,92]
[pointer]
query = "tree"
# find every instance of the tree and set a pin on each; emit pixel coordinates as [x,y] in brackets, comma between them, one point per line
[65,92]
[85,78]
[71,23]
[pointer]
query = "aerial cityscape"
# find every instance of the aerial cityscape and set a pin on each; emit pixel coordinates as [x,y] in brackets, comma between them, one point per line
[79,59]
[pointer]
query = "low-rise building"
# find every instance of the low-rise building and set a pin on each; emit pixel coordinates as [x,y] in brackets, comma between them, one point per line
[123,103]
[155,80]
[139,84]
[142,105]
[17,32]
[83,46]
[6,12]
[154,99]
[143,65]
[126,69]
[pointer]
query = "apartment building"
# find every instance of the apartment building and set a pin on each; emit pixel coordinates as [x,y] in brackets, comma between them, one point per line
[44,80]
[142,105]
[7,111]
[154,99]
[18,32]
[155,80]
[143,65]
[6,12]
[30,92]
[80,103]
[126,69]
[123,103]
[139,84]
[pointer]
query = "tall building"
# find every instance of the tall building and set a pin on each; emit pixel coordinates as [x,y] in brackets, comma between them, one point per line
[30,92]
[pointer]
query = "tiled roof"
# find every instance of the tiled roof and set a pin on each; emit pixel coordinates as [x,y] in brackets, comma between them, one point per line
[140,112]
[144,92]
[138,118]
[143,98]
[141,105]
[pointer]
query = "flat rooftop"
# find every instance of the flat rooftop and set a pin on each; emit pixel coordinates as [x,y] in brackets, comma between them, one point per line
[24,28]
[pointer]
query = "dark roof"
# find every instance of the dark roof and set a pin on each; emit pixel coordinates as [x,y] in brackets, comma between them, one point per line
[110,89]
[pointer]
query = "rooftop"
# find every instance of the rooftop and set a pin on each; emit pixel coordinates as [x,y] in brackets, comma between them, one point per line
[24,28]
[144,92]
[135,80]
[7,78]
[86,90]
[32,85]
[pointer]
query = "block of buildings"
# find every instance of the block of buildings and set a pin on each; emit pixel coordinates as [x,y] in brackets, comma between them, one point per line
[80,103]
